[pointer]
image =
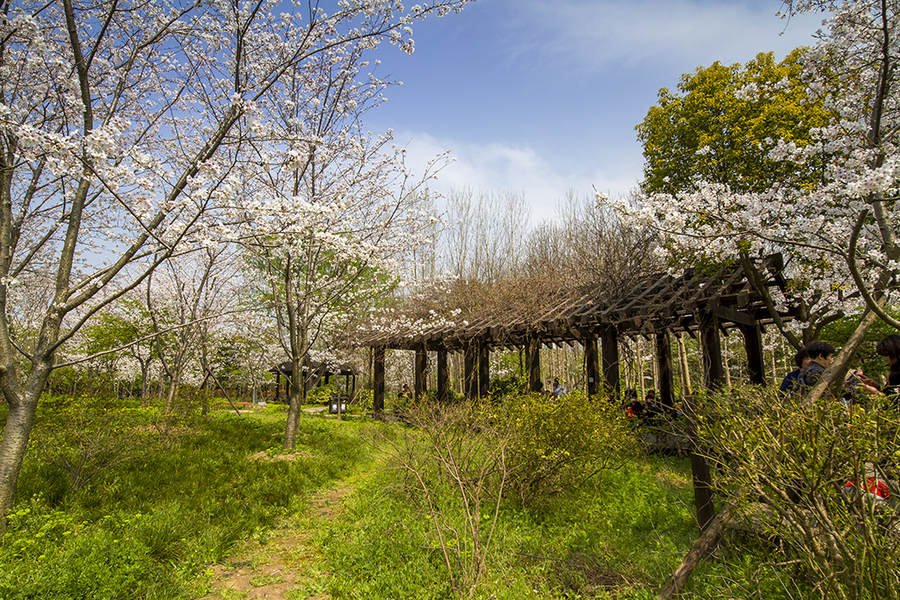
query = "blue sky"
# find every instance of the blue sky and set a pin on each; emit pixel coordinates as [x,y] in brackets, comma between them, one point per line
[542,96]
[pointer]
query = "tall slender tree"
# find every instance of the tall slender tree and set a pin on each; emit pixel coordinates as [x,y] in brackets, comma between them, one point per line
[121,123]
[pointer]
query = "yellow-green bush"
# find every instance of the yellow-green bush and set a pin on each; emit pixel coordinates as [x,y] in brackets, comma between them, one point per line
[557,444]
[785,466]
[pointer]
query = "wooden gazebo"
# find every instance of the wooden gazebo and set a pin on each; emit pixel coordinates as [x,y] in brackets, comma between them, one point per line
[314,372]
[697,302]
[701,302]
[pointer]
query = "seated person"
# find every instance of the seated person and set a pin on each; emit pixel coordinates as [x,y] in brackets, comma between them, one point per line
[791,382]
[821,355]
[633,405]
[559,390]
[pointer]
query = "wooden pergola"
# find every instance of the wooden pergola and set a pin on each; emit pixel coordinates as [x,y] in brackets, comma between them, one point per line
[700,302]
[313,373]
[696,302]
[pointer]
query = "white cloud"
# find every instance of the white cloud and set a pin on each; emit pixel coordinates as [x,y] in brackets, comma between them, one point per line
[600,34]
[499,167]
[547,57]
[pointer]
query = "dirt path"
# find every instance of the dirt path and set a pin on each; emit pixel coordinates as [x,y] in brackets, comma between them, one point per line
[282,564]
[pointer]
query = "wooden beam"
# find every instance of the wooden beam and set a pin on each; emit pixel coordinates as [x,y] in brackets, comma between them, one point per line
[533,364]
[729,314]
[754,349]
[378,373]
[664,365]
[592,365]
[484,370]
[714,378]
[609,342]
[713,369]
[443,376]
[470,374]
[421,368]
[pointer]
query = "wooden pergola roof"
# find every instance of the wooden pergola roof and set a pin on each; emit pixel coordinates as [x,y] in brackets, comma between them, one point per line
[659,302]
[286,368]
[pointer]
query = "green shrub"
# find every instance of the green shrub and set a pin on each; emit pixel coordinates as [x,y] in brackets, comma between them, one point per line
[51,555]
[510,385]
[84,436]
[786,466]
[558,445]
[321,394]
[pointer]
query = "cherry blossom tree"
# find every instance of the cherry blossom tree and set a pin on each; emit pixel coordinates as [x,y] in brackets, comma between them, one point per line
[183,299]
[325,229]
[840,235]
[121,122]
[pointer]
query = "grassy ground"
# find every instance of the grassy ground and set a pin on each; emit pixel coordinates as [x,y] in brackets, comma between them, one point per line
[180,499]
[619,538]
[211,508]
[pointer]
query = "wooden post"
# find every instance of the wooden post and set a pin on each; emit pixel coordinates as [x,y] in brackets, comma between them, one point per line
[592,365]
[713,367]
[754,348]
[714,377]
[443,376]
[685,368]
[664,368]
[641,384]
[609,343]
[533,364]
[421,367]
[470,378]
[484,370]
[378,388]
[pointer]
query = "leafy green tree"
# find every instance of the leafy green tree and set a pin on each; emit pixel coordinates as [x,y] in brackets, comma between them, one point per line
[707,131]
[721,128]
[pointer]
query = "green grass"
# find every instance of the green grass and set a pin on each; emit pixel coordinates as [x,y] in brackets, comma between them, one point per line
[149,526]
[628,532]
[621,539]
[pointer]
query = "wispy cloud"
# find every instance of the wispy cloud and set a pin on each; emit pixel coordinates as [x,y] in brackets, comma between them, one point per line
[599,34]
[549,101]
[497,167]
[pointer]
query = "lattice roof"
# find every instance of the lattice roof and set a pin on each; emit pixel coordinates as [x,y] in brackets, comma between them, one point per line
[565,316]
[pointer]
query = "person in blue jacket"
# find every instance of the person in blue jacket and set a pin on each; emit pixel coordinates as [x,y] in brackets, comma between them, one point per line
[791,382]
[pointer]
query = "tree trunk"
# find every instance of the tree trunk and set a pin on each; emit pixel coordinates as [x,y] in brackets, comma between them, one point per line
[174,384]
[23,402]
[145,382]
[833,378]
[705,543]
[18,427]
[295,406]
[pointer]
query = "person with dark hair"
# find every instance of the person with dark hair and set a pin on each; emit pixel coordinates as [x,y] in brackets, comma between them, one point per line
[791,382]
[821,355]
[889,348]
[559,390]
[633,405]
